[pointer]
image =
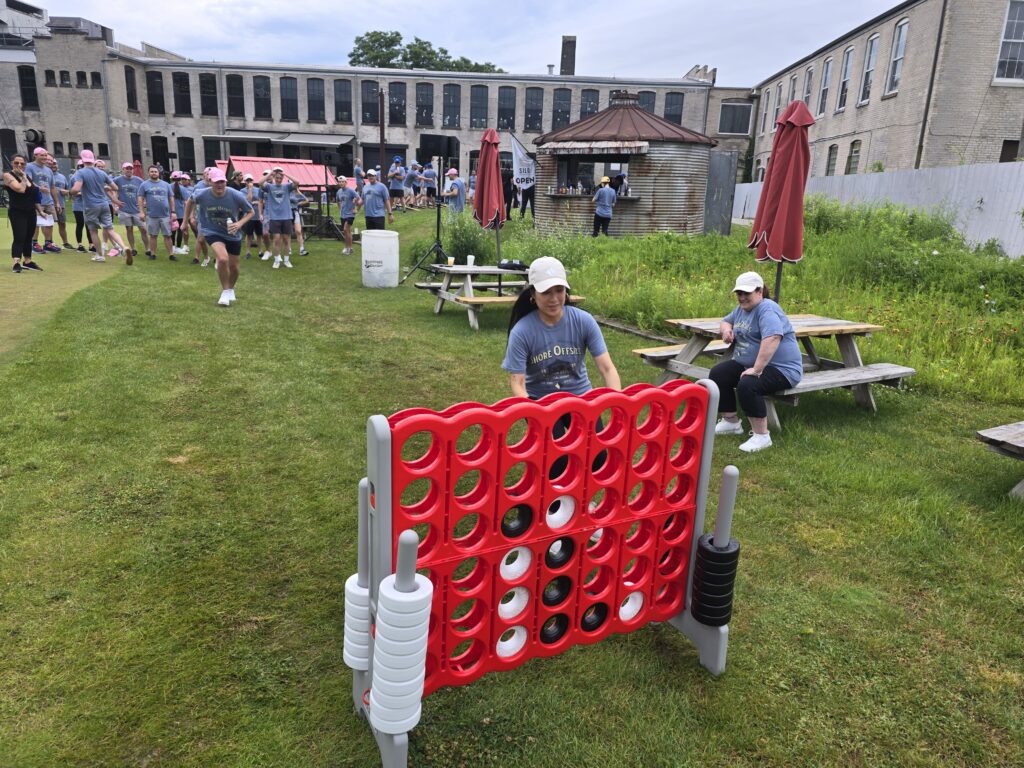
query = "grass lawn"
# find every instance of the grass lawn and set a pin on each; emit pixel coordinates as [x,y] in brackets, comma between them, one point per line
[177,520]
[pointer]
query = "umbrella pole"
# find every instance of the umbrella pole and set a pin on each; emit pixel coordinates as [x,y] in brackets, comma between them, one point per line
[778,281]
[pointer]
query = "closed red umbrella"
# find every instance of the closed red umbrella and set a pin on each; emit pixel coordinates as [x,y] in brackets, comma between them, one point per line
[137,169]
[778,232]
[489,203]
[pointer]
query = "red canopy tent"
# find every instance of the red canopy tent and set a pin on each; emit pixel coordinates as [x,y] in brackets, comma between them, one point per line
[778,232]
[489,202]
[308,174]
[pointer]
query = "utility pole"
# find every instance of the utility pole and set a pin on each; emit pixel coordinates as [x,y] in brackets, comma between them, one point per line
[380,120]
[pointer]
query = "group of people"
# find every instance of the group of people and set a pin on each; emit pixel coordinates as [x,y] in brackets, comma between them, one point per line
[548,340]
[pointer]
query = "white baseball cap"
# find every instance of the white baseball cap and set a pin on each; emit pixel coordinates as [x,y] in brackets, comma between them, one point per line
[547,272]
[371,172]
[748,282]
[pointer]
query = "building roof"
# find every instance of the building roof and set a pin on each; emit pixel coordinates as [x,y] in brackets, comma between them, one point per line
[310,175]
[624,121]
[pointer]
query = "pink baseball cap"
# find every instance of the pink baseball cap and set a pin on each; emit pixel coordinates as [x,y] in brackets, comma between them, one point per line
[126,165]
[216,174]
[87,156]
[38,151]
[452,172]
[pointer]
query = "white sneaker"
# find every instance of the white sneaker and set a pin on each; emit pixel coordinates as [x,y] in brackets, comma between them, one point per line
[184,250]
[757,443]
[287,262]
[346,251]
[97,258]
[266,256]
[724,427]
[277,262]
[177,251]
[231,294]
[225,299]
[205,262]
[303,252]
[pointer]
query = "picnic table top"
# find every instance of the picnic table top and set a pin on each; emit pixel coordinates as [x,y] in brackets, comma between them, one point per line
[465,269]
[803,325]
[1009,437]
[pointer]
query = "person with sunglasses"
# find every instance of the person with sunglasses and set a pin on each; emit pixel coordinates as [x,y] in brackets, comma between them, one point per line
[23,207]
[766,358]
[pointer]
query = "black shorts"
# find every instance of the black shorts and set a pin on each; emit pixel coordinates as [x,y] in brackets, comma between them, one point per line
[415,189]
[348,220]
[397,194]
[254,227]
[233,247]
[375,222]
[281,227]
[431,192]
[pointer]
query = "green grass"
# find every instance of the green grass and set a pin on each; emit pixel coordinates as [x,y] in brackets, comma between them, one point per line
[177,519]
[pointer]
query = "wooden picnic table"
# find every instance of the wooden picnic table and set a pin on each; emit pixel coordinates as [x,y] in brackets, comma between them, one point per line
[1007,440]
[820,372]
[506,287]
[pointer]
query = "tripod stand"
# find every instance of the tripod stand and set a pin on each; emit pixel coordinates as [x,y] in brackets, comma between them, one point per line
[436,250]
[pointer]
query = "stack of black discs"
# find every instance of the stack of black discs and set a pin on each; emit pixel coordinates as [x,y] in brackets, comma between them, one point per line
[713,579]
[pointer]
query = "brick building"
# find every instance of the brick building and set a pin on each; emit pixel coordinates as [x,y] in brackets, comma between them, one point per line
[928,83]
[71,84]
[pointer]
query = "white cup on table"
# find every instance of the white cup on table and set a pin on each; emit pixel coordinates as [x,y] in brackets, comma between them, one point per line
[470,260]
[451,261]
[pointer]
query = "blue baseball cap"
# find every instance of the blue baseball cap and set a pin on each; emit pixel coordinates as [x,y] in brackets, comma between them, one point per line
[397,158]
[428,165]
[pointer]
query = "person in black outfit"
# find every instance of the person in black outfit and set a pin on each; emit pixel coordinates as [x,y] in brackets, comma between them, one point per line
[24,207]
[527,196]
[508,191]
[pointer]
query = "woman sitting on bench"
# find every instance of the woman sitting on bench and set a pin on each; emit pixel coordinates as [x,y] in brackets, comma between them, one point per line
[765,359]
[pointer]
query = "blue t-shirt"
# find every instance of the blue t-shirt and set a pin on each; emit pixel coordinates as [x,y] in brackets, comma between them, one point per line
[347,200]
[375,197]
[213,212]
[181,195]
[766,319]
[457,204]
[357,172]
[554,358]
[277,201]
[42,177]
[157,195]
[604,199]
[430,178]
[411,177]
[60,184]
[257,195]
[294,198]
[94,187]
[128,193]
[396,181]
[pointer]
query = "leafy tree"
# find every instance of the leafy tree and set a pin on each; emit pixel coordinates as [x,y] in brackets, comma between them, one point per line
[377,49]
[385,49]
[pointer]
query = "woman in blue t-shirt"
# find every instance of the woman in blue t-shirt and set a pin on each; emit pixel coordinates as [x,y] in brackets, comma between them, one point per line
[765,359]
[548,343]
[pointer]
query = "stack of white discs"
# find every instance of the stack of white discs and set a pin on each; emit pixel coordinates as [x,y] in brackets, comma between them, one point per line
[399,655]
[357,624]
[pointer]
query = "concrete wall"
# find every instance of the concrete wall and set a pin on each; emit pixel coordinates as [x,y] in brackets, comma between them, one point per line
[985,200]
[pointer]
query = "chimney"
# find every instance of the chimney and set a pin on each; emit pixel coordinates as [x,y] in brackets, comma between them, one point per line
[551,69]
[568,55]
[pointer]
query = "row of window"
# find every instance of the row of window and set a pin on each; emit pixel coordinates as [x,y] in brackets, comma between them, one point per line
[831,158]
[396,106]
[82,79]
[100,149]
[842,94]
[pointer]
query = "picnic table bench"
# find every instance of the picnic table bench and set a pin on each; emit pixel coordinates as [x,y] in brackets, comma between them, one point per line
[460,283]
[820,373]
[1007,440]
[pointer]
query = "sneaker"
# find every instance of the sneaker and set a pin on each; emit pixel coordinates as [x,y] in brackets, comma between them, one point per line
[205,262]
[134,253]
[757,443]
[51,248]
[287,262]
[97,257]
[150,256]
[303,252]
[184,250]
[32,265]
[68,247]
[266,256]
[195,259]
[248,254]
[16,268]
[81,249]
[231,294]
[724,427]
[37,248]
[129,258]
[277,262]
[346,251]
[113,253]
[172,257]
[225,299]
[92,249]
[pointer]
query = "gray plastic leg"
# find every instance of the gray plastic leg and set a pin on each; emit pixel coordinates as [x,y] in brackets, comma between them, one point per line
[394,749]
[712,642]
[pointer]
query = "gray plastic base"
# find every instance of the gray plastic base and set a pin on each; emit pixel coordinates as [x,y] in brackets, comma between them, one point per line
[712,642]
